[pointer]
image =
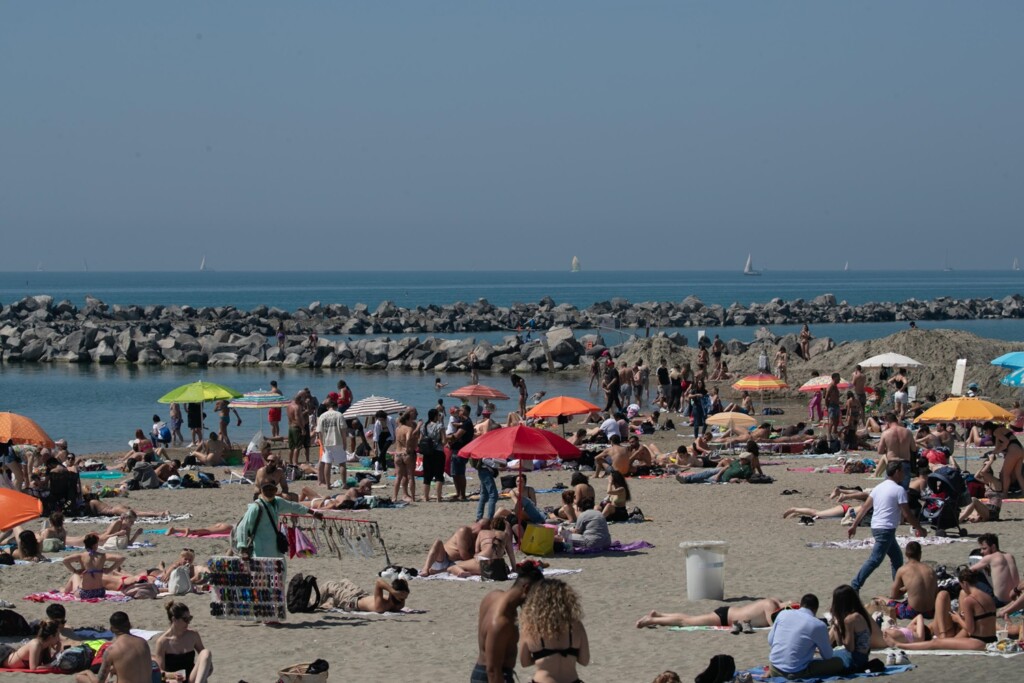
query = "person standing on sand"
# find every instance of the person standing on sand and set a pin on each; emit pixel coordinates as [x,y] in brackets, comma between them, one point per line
[520,384]
[717,349]
[895,444]
[194,411]
[805,342]
[462,433]
[297,437]
[333,434]
[782,363]
[175,414]
[832,400]
[128,657]
[497,628]
[888,504]
[257,532]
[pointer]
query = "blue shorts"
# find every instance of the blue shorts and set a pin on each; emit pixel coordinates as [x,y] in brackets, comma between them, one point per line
[533,514]
[833,412]
[459,465]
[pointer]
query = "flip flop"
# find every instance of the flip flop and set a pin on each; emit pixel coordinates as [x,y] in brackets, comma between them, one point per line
[789,492]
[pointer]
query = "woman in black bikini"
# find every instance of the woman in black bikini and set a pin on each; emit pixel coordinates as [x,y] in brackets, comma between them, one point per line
[972,628]
[553,637]
[181,649]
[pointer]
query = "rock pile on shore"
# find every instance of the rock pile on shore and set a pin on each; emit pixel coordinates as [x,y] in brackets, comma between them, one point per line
[37,329]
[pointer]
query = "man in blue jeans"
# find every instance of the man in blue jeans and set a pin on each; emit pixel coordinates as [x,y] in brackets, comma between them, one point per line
[888,504]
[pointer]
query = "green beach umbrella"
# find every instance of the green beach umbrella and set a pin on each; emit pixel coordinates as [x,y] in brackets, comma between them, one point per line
[198,392]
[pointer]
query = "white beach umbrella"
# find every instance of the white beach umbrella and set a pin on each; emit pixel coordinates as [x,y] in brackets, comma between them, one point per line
[369,406]
[890,360]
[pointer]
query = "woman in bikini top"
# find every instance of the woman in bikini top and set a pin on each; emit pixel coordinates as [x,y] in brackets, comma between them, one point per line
[38,652]
[180,648]
[552,614]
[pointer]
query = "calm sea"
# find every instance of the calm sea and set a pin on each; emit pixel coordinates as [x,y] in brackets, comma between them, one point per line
[98,408]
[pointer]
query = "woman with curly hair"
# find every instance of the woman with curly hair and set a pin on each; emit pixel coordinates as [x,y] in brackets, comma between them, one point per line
[553,637]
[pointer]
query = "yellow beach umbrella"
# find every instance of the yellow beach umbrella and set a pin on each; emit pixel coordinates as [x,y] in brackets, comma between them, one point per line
[760,382]
[732,420]
[198,392]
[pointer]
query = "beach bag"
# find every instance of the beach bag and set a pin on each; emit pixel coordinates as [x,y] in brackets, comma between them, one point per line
[164,434]
[141,591]
[300,673]
[508,481]
[300,591]
[13,625]
[179,582]
[74,659]
[538,540]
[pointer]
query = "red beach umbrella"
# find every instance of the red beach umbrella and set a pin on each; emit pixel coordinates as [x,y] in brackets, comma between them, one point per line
[522,442]
[479,391]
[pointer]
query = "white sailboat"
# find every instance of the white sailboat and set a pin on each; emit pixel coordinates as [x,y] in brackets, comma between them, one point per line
[575,264]
[202,264]
[946,268]
[846,267]
[749,268]
[1016,263]
[85,265]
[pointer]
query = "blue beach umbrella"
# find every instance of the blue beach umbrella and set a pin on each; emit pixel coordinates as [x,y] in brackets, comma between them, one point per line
[1014,379]
[1014,359]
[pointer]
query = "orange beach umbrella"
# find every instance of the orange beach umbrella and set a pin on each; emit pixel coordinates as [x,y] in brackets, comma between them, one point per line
[965,409]
[23,430]
[17,508]
[760,382]
[479,391]
[562,406]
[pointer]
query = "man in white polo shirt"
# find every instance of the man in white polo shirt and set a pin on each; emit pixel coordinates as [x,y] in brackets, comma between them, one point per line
[888,504]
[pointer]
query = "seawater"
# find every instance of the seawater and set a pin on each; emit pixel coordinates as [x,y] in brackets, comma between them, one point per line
[99,408]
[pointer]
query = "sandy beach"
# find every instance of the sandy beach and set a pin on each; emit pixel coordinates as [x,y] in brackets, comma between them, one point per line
[767,556]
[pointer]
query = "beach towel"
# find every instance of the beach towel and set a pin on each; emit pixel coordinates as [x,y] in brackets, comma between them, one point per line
[548,572]
[102,474]
[863,543]
[723,629]
[760,673]
[615,547]
[835,469]
[57,596]
[405,611]
[106,634]
[141,520]
[34,671]
[949,653]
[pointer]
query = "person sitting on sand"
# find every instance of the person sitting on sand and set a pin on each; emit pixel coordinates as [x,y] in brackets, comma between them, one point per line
[972,627]
[179,648]
[273,471]
[344,595]
[166,470]
[852,628]
[128,656]
[978,438]
[39,652]
[914,588]
[614,510]
[491,545]
[746,405]
[591,529]
[87,569]
[28,549]
[124,528]
[757,614]
[347,499]
[443,554]
[616,456]
[1005,442]
[641,457]
[213,453]
[976,512]
[567,512]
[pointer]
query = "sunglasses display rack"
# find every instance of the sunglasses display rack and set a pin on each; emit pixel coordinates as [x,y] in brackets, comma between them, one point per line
[248,590]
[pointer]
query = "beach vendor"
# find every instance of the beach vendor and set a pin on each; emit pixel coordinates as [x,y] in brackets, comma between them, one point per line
[256,534]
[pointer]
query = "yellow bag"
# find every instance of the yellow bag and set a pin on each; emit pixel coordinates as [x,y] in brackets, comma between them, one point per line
[538,540]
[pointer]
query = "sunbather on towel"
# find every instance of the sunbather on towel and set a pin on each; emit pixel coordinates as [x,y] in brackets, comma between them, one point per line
[758,614]
[491,544]
[345,595]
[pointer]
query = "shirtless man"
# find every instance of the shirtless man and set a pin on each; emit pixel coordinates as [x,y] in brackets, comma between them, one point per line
[616,455]
[859,384]
[639,455]
[491,544]
[213,452]
[273,471]
[832,405]
[298,428]
[896,444]
[128,656]
[1003,441]
[443,554]
[498,633]
[913,589]
[1001,568]
[717,349]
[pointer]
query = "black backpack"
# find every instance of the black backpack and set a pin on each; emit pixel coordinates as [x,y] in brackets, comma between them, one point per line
[13,625]
[300,589]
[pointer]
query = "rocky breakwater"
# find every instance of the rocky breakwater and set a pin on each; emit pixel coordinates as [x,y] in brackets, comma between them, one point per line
[37,329]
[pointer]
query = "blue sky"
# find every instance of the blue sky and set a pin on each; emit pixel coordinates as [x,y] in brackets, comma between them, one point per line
[379,135]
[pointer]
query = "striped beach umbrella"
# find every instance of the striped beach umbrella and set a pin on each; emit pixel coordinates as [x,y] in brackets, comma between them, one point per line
[260,399]
[821,382]
[760,382]
[369,406]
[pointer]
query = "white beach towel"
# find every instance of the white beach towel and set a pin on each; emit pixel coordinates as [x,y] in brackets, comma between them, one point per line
[511,577]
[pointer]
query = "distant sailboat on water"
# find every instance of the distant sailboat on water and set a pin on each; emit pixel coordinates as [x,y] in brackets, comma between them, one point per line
[39,267]
[575,264]
[749,268]
[1016,263]
[846,267]
[202,264]
[946,268]
[85,265]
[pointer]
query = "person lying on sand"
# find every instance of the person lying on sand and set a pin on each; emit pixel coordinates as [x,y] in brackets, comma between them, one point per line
[344,595]
[214,529]
[733,470]
[344,500]
[757,614]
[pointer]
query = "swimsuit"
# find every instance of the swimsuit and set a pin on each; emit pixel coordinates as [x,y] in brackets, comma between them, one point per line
[479,675]
[905,611]
[547,652]
[723,615]
[91,593]
[177,662]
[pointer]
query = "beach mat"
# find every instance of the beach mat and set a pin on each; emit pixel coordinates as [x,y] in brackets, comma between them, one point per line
[723,629]
[444,576]
[32,671]
[141,520]
[404,612]
[831,470]
[864,543]
[950,653]
[102,474]
[761,674]
[57,596]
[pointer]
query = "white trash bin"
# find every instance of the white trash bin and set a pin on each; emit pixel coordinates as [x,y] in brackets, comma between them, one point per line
[705,569]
